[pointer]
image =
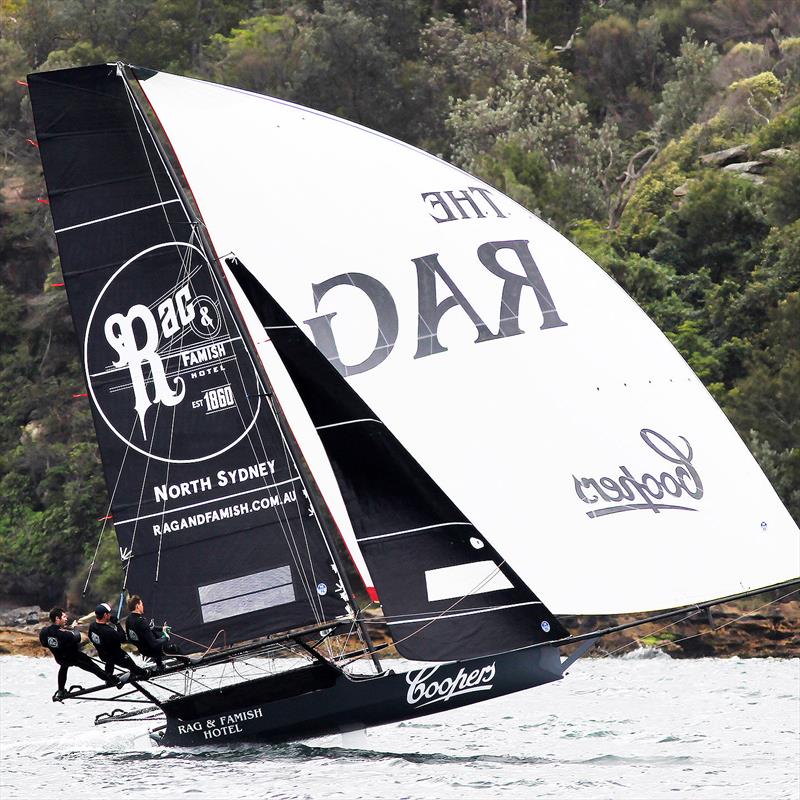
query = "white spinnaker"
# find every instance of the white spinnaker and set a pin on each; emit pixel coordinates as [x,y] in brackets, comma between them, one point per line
[503,426]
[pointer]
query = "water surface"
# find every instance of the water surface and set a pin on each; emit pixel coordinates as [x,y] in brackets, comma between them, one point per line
[632,727]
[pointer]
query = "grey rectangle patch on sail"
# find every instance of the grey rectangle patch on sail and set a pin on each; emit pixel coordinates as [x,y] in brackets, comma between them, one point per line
[247,593]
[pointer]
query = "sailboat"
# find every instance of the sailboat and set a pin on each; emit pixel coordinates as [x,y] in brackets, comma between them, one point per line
[340,386]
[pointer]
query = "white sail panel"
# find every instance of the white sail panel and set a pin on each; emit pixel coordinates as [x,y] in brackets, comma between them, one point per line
[579,442]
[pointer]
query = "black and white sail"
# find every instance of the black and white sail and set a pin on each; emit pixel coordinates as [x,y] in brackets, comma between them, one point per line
[481,409]
[214,526]
[532,390]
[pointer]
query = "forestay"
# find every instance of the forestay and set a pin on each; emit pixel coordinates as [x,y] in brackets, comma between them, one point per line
[525,382]
[214,527]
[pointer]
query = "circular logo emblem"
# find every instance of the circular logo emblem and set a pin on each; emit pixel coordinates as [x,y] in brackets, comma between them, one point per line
[166,365]
[545,626]
[206,321]
[322,588]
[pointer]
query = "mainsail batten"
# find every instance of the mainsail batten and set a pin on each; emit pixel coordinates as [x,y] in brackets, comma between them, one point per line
[212,519]
[532,390]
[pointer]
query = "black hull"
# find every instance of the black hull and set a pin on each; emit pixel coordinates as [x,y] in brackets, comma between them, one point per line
[318,699]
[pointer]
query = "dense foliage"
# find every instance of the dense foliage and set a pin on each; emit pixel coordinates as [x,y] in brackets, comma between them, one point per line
[600,115]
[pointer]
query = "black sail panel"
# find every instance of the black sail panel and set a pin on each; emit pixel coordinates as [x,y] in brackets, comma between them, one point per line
[214,527]
[446,592]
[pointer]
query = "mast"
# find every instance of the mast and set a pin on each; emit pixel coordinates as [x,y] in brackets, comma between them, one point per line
[200,231]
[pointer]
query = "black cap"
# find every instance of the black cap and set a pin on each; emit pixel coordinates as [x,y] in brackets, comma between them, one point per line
[102,609]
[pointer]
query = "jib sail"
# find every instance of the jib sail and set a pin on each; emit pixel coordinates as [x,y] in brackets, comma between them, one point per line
[446,592]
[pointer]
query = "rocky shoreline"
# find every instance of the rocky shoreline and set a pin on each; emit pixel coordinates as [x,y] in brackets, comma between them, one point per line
[749,629]
[732,629]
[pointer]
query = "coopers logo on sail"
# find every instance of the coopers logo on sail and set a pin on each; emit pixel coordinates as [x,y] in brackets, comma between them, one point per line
[666,487]
[423,687]
[161,354]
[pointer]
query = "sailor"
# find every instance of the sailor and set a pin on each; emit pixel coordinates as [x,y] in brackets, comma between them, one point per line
[108,636]
[152,641]
[65,645]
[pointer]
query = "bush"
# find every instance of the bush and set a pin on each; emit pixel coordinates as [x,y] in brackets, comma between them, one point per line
[719,225]
[782,130]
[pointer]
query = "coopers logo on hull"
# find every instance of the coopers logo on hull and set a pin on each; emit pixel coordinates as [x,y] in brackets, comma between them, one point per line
[165,353]
[654,491]
[422,686]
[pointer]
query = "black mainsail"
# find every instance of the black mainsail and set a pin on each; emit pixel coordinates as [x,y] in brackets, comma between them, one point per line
[213,522]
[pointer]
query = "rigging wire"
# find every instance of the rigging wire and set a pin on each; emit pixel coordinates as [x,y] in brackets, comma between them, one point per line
[107,515]
[185,266]
[283,521]
[136,119]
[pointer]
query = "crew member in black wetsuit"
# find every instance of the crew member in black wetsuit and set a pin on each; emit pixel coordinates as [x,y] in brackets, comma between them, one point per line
[65,645]
[108,637]
[152,642]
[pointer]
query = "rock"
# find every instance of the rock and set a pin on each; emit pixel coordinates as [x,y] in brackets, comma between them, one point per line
[33,430]
[770,630]
[751,167]
[682,190]
[27,615]
[20,643]
[775,153]
[722,157]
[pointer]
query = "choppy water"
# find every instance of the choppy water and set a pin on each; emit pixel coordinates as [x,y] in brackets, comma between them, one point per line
[634,727]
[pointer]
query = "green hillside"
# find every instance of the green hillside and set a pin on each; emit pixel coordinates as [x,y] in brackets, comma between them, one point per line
[662,136]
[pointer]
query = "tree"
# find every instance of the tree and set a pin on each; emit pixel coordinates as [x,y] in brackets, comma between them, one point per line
[767,400]
[687,93]
[352,63]
[262,54]
[720,225]
[496,135]
[172,33]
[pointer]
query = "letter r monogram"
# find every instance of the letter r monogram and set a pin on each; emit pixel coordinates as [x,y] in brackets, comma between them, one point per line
[120,335]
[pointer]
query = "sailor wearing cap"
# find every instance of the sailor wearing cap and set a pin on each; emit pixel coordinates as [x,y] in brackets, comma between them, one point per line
[65,645]
[107,635]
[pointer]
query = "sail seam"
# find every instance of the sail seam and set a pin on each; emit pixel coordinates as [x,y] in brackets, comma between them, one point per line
[413,530]
[464,613]
[206,502]
[348,422]
[114,216]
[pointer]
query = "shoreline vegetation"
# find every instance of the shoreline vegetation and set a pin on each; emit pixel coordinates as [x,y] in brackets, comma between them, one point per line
[757,628]
[663,138]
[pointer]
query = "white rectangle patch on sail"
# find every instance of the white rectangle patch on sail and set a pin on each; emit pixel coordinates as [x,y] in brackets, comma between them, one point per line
[247,593]
[475,578]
